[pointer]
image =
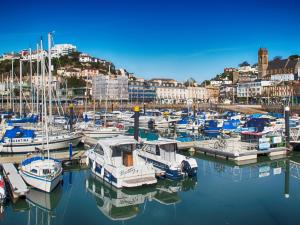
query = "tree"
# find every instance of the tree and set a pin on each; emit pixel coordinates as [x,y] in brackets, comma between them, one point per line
[277,58]
[74,82]
[205,82]
[294,57]
[245,63]
[190,82]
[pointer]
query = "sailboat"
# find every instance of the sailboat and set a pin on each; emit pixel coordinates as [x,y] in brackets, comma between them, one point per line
[23,140]
[43,173]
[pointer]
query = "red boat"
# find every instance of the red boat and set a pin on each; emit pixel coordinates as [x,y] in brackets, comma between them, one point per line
[2,190]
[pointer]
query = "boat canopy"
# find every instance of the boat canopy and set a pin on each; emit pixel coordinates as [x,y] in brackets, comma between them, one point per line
[257,123]
[18,132]
[36,158]
[31,119]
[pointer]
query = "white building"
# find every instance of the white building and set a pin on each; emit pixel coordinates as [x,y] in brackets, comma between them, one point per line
[112,88]
[84,58]
[218,83]
[197,93]
[62,49]
[248,69]
[171,95]
[283,77]
[252,89]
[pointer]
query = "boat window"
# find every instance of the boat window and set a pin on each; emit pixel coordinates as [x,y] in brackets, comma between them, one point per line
[46,171]
[117,150]
[169,147]
[33,171]
[152,149]
[98,149]
[157,150]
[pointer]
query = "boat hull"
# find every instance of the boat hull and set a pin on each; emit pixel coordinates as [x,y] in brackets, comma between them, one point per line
[99,134]
[33,146]
[41,183]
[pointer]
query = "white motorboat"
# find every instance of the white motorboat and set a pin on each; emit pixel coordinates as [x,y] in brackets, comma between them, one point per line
[115,160]
[103,132]
[167,162]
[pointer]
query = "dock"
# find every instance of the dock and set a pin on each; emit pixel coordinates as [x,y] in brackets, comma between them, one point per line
[17,185]
[77,156]
[236,150]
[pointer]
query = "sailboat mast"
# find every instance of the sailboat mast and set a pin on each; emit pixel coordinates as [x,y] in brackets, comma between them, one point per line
[50,75]
[44,100]
[11,84]
[20,108]
[30,71]
[38,79]
[2,91]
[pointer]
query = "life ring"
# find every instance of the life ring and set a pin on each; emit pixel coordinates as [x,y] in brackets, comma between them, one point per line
[120,126]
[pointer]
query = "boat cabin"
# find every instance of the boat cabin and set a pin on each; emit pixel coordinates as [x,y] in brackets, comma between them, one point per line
[18,135]
[165,149]
[118,152]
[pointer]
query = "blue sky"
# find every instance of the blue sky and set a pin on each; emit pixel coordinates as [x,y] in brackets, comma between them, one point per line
[165,38]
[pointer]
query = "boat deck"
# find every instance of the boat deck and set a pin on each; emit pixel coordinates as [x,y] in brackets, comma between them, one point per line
[16,183]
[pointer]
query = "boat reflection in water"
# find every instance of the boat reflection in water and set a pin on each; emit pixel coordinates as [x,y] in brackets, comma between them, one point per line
[42,206]
[124,204]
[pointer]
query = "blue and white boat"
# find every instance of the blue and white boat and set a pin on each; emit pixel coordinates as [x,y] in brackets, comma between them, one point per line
[43,173]
[231,125]
[115,160]
[182,124]
[30,119]
[213,127]
[20,140]
[163,155]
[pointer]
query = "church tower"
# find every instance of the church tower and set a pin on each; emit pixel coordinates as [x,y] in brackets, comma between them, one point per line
[262,62]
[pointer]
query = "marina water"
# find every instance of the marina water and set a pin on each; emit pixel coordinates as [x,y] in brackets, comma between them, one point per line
[223,193]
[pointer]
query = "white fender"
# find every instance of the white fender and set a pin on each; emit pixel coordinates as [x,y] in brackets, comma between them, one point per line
[87,161]
[94,166]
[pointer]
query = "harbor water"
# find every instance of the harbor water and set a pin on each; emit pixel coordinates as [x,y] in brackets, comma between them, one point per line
[267,192]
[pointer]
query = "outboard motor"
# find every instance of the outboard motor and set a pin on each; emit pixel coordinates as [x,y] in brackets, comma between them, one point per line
[187,168]
[151,124]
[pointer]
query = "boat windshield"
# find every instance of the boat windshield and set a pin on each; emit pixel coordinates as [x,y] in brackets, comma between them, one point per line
[168,152]
[117,150]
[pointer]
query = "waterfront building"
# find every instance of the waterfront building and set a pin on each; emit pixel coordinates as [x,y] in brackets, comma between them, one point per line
[252,91]
[197,94]
[213,93]
[171,94]
[62,49]
[282,91]
[140,90]
[227,92]
[112,88]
